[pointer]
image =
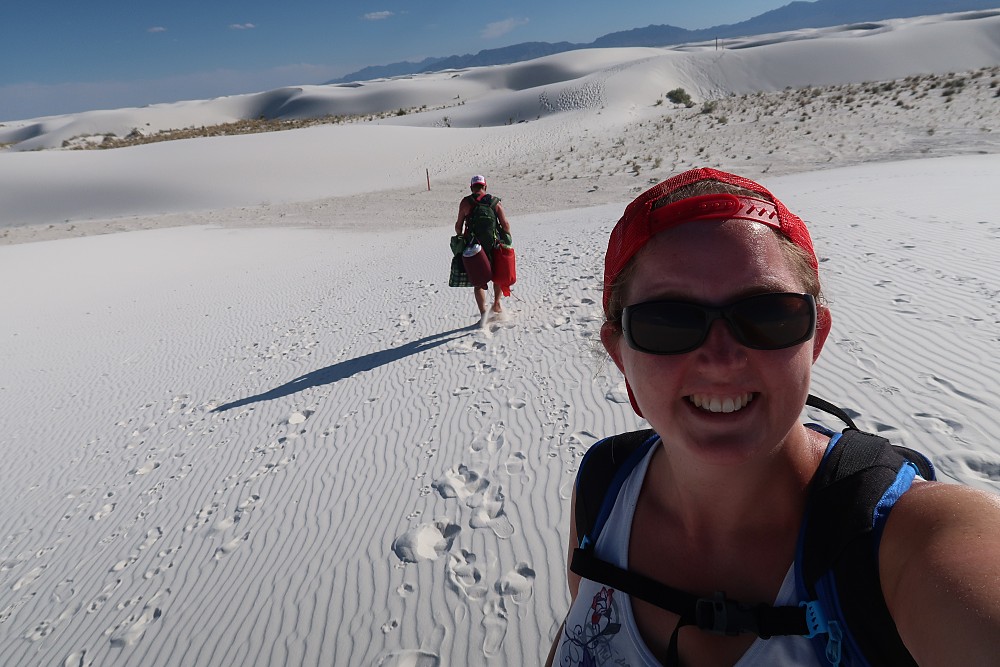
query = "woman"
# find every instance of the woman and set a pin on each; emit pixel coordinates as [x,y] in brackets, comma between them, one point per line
[718,503]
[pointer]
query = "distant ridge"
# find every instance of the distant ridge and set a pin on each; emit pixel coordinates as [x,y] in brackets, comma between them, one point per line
[793,16]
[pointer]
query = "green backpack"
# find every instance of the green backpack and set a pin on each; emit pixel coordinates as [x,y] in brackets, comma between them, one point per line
[482,221]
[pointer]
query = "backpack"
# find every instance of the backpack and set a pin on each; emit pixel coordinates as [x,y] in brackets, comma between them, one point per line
[482,221]
[836,564]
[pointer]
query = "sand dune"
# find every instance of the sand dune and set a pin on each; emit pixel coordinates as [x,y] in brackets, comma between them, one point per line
[259,429]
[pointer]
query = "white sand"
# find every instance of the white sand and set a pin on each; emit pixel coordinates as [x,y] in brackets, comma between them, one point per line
[262,431]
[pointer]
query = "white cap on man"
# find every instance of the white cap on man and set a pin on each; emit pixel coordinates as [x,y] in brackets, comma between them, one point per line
[478,180]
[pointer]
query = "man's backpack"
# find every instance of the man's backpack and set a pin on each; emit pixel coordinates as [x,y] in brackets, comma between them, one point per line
[836,566]
[482,220]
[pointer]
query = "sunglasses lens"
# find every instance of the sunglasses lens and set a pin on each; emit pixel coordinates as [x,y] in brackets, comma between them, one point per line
[764,322]
[665,327]
[773,321]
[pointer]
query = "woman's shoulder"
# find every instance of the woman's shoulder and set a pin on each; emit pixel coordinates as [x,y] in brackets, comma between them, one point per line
[931,511]
[939,563]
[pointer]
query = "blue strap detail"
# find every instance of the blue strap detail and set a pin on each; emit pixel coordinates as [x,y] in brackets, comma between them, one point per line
[904,480]
[819,625]
[815,618]
[833,646]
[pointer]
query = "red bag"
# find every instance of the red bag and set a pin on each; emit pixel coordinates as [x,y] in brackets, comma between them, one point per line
[504,272]
[477,265]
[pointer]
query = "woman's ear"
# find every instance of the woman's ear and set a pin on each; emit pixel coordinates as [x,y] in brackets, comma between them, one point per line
[824,322]
[611,337]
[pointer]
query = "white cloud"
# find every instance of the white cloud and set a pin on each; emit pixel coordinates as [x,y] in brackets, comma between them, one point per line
[377,16]
[242,26]
[499,28]
[157,28]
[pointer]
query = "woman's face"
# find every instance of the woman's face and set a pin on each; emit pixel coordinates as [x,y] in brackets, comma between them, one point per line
[681,395]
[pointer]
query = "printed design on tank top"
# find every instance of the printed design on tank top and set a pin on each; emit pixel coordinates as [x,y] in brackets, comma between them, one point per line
[590,644]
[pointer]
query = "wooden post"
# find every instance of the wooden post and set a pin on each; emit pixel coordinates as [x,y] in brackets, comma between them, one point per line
[428,179]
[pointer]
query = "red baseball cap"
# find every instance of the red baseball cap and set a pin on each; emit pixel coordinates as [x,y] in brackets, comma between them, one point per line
[643,219]
[477,180]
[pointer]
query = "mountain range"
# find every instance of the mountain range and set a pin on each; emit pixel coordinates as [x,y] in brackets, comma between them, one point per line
[793,16]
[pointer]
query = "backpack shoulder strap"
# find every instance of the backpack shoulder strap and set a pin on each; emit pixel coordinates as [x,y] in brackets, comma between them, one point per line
[859,480]
[603,470]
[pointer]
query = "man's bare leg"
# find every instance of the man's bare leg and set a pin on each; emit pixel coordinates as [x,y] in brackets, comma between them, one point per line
[480,299]
[496,299]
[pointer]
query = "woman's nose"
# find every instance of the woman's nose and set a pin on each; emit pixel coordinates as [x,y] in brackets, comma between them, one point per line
[721,346]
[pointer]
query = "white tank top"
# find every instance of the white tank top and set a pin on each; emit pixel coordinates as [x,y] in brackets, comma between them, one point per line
[600,628]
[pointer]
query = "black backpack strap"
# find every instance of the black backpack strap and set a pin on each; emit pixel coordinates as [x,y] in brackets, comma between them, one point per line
[827,406]
[598,469]
[716,614]
[839,561]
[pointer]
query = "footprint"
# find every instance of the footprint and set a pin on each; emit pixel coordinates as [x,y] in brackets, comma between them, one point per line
[410,658]
[940,383]
[461,482]
[515,464]
[941,424]
[465,577]
[618,393]
[202,517]
[230,546]
[146,468]
[517,584]
[976,468]
[64,591]
[46,627]
[77,659]
[495,622]
[103,596]
[152,536]
[131,630]
[31,577]
[426,541]
[492,442]
[299,417]
[488,512]
[105,510]
[237,516]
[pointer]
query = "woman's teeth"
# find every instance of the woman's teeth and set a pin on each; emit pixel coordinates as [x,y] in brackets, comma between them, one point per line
[721,403]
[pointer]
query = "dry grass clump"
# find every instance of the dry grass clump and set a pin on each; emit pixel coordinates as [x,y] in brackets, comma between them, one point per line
[250,126]
[831,125]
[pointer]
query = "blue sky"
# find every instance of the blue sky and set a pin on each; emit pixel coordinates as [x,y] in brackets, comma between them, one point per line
[64,56]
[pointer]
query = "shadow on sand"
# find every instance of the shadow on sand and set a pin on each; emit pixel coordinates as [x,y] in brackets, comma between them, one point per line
[346,369]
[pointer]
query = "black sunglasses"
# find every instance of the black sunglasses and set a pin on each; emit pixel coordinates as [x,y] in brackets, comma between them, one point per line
[763,322]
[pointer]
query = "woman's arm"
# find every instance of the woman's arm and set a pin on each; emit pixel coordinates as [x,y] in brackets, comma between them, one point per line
[939,561]
[572,578]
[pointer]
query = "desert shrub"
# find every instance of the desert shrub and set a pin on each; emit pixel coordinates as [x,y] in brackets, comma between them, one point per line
[709,106]
[680,96]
